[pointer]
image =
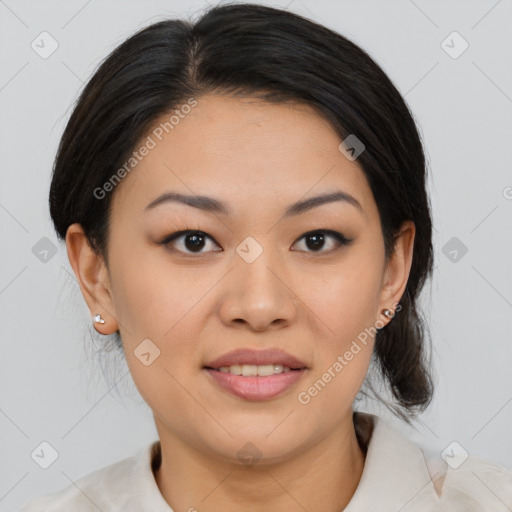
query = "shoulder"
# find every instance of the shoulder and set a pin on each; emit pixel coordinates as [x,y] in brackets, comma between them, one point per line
[107,488]
[475,482]
[397,468]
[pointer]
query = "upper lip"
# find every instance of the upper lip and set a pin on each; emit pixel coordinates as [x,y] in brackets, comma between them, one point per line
[257,357]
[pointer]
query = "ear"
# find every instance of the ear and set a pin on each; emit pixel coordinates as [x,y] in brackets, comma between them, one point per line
[397,270]
[92,276]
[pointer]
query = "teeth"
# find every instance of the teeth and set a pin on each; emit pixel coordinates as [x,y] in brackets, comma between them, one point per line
[252,370]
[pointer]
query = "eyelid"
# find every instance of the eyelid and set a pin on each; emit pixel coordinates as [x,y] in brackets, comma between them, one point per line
[339,237]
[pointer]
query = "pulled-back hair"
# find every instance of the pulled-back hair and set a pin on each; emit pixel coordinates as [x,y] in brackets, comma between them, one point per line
[262,52]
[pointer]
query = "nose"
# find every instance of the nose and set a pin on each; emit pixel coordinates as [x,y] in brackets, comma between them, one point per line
[258,295]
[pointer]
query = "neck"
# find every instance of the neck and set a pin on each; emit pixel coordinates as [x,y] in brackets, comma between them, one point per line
[191,480]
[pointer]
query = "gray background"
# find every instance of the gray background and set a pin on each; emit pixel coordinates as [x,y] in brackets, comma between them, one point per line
[51,383]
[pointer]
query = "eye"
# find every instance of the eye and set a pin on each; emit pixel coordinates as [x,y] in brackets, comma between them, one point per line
[193,241]
[316,240]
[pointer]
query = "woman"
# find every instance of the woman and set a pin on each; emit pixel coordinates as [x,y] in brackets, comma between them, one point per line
[243,201]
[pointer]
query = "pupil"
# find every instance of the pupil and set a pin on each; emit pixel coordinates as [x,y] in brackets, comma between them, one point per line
[319,241]
[197,244]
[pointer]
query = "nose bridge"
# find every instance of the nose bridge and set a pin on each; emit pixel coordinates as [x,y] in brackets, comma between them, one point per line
[256,268]
[258,292]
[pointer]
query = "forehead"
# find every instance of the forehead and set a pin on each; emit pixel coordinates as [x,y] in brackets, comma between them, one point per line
[243,150]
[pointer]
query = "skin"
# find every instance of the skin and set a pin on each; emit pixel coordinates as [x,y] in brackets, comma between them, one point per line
[258,158]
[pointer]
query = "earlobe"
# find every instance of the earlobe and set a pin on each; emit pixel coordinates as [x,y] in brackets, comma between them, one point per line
[398,268]
[92,276]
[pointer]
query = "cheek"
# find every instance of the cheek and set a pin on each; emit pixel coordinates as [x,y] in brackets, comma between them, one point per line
[160,302]
[344,298]
[152,295]
[344,303]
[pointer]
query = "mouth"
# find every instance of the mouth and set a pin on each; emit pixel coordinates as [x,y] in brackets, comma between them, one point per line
[255,387]
[249,362]
[253,370]
[255,375]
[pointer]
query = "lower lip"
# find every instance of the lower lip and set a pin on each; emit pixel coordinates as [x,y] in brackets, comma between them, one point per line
[256,388]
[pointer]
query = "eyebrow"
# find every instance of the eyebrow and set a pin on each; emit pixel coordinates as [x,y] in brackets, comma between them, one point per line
[210,204]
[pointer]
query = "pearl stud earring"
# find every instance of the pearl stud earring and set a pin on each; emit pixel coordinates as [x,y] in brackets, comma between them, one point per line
[98,319]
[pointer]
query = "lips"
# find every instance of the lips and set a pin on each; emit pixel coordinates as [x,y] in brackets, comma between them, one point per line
[256,357]
[255,388]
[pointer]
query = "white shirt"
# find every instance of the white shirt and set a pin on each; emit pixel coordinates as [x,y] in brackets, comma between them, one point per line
[397,476]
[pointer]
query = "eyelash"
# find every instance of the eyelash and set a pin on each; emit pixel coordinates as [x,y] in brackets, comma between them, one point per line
[340,238]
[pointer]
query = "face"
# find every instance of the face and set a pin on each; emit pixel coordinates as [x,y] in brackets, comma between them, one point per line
[310,283]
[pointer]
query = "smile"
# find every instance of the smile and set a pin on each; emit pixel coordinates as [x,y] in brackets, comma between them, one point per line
[252,370]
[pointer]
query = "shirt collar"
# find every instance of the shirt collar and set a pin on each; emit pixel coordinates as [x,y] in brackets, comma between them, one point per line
[149,497]
[395,475]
